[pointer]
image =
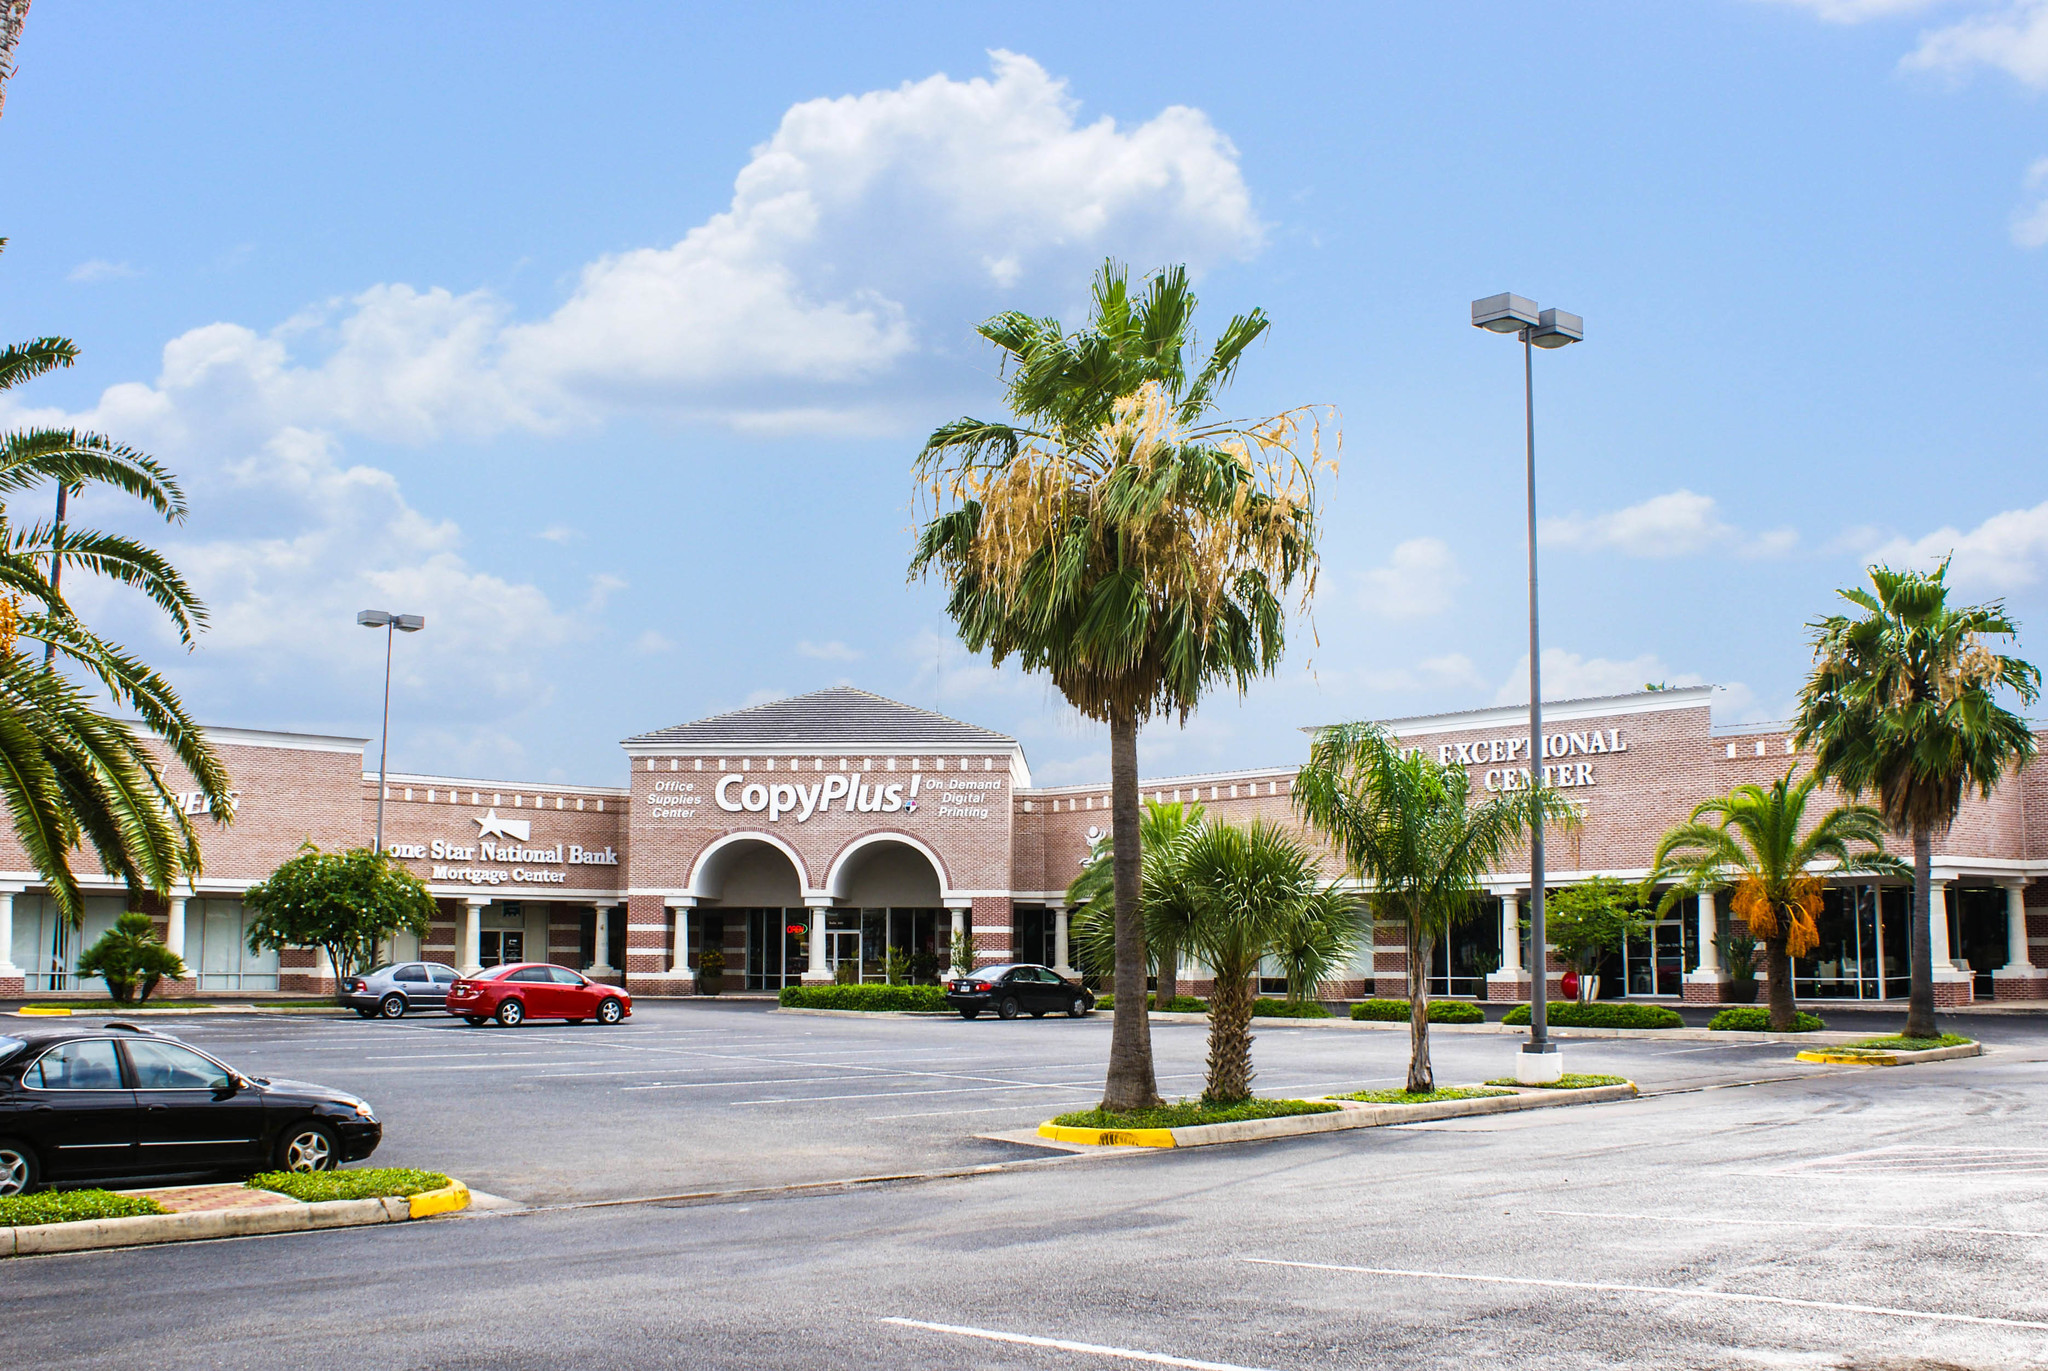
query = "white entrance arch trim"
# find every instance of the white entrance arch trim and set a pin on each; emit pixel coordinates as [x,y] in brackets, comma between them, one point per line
[725,840]
[836,878]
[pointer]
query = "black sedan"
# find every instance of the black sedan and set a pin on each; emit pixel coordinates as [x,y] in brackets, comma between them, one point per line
[1019,988]
[82,1103]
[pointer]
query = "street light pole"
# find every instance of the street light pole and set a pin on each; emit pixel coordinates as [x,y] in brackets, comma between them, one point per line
[391,624]
[1551,328]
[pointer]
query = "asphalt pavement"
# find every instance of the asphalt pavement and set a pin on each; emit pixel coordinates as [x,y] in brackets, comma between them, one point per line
[1866,1218]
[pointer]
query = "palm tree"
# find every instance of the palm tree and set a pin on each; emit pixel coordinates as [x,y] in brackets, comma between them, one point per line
[69,775]
[1751,839]
[1902,702]
[1247,886]
[1411,831]
[1118,536]
[1323,936]
[1092,897]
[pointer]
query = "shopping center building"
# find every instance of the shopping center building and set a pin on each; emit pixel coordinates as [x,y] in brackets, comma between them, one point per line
[833,829]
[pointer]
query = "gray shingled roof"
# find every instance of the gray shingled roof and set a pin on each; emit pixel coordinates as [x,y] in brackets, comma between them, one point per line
[839,716]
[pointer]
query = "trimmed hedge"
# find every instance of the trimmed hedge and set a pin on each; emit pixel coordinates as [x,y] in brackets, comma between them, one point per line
[874,998]
[69,1206]
[1192,1113]
[1440,1011]
[1757,1019]
[1600,1014]
[1289,1009]
[365,1183]
[1179,1004]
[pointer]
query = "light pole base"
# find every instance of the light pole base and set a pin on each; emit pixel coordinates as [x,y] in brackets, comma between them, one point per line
[1539,1066]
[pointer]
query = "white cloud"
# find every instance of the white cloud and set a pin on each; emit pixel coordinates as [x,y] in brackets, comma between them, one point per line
[2005,552]
[1568,676]
[97,269]
[2011,37]
[1677,524]
[652,641]
[2030,225]
[1416,582]
[1858,11]
[559,533]
[834,651]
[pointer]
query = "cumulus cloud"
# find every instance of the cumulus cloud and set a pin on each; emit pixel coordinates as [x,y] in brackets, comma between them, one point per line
[1416,582]
[2012,38]
[2006,552]
[1678,524]
[1858,11]
[2030,223]
[97,269]
[653,641]
[1569,676]
[834,651]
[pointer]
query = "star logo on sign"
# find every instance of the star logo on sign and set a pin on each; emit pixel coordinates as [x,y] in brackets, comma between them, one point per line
[491,826]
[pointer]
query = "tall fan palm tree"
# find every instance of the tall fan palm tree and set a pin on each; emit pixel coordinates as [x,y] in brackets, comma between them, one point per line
[1118,536]
[1903,702]
[69,775]
[1751,839]
[1092,897]
[1410,829]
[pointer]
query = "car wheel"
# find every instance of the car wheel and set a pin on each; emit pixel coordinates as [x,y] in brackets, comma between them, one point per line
[610,1011]
[392,1006]
[511,1013]
[17,1168]
[307,1147]
[475,1020]
[1008,1008]
[1076,1007]
[970,1013]
[366,1013]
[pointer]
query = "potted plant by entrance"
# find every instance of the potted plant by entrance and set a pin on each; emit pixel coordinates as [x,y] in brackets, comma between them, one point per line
[710,971]
[1588,920]
[1738,954]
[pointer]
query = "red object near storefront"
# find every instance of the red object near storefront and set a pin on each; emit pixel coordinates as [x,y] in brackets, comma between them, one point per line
[536,990]
[1569,986]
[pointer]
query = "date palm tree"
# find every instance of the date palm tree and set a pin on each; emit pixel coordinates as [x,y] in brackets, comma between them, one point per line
[70,776]
[1117,535]
[1092,897]
[1902,703]
[1756,839]
[1412,832]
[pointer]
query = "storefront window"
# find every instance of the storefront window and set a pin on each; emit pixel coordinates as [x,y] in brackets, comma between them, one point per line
[224,961]
[46,946]
[1462,960]
[1862,951]
[775,956]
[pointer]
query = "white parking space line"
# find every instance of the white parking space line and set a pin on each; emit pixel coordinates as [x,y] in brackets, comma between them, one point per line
[1062,1345]
[756,1084]
[1744,1221]
[1022,1106]
[905,1094]
[1669,1292]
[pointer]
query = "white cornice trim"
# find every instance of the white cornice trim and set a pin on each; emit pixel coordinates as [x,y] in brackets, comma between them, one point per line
[1594,707]
[291,742]
[416,780]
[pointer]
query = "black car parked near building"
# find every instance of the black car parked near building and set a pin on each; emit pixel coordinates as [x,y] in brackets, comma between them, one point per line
[1014,988]
[82,1103]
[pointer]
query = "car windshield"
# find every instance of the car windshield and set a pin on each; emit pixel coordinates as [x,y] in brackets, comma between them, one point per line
[497,973]
[10,1046]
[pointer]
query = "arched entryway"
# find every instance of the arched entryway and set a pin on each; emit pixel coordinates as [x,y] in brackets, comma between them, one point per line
[889,918]
[749,890]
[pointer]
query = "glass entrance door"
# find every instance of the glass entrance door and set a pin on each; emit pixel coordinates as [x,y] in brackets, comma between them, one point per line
[842,948]
[497,947]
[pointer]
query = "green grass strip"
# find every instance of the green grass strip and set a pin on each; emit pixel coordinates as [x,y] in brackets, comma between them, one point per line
[1192,1113]
[1565,1082]
[1449,1092]
[69,1206]
[366,1183]
[1902,1044]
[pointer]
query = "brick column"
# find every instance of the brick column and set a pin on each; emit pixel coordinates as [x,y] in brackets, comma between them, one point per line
[647,963]
[995,938]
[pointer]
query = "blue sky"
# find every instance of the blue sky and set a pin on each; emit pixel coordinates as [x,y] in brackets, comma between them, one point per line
[605,337]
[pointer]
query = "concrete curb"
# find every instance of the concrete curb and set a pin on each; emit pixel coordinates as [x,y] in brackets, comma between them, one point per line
[884,1013]
[1350,1114]
[1682,1035]
[1932,1054]
[139,1230]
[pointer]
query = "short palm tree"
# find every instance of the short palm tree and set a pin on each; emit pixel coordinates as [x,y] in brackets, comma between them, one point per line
[1118,536]
[1410,830]
[69,775]
[1903,703]
[1756,839]
[1322,938]
[1092,896]
[1248,886]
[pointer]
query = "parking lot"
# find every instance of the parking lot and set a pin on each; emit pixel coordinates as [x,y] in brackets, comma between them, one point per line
[691,1096]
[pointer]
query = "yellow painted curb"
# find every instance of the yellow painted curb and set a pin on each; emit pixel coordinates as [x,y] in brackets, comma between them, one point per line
[1849,1058]
[1109,1137]
[43,1013]
[447,1200]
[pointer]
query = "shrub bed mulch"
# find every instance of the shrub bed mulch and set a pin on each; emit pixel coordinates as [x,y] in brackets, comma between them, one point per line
[875,998]
[70,1206]
[1757,1019]
[1564,1082]
[1449,1092]
[1193,1113]
[1398,1011]
[1904,1044]
[365,1183]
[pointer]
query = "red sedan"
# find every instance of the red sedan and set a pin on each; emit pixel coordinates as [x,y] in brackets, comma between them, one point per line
[519,991]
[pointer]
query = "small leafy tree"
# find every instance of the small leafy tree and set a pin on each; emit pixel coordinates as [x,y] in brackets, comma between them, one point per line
[348,903]
[130,957]
[1586,921]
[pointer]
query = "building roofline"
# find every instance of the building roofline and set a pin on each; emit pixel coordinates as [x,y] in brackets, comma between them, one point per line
[1558,711]
[415,779]
[296,742]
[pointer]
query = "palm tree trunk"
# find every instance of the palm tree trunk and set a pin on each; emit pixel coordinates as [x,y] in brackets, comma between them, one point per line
[1130,1083]
[1920,1000]
[1169,975]
[1230,1040]
[1421,1080]
[1783,1007]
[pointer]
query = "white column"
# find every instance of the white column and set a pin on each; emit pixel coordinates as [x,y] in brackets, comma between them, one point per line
[1947,966]
[1062,917]
[602,942]
[174,927]
[817,970]
[1710,952]
[679,910]
[1511,972]
[960,927]
[2019,978]
[7,966]
[469,930]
